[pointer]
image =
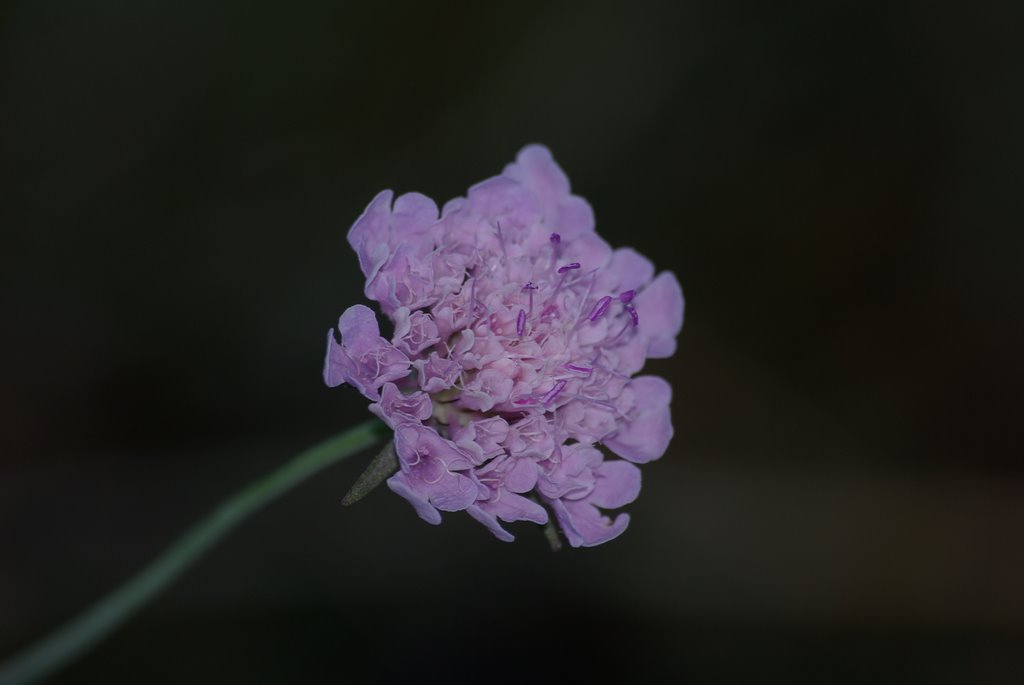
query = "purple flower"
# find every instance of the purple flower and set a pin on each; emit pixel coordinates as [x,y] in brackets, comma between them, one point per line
[363,359]
[517,334]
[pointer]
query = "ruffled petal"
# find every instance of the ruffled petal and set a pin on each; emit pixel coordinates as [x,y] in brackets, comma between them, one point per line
[491,521]
[618,484]
[591,251]
[537,170]
[627,270]
[454,492]
[401,484]
[522,476]
[363,358]
[431,466]
[395,407]
[572,477]
[369,234]
[574,218]
[488,388]
[359,328]
[645,435]
[414,331]
[505,203]
[413,216]
[661,314]
[482,437]
[334,362]
[584,525]
[508,507]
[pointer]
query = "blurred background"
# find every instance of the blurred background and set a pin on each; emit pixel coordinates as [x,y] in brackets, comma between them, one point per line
[836,184]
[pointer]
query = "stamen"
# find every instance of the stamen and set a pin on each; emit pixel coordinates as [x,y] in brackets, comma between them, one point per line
[472,301]
[583,300]
[556,248]
[530,287]
[521,323]
[581,369]
[633,314]
[553,392]
[627,296]
[501,241]
[601,403]
[564,270]
[529,399]
[626,326]
[600,308]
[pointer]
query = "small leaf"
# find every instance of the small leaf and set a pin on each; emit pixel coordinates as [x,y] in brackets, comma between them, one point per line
[380,469]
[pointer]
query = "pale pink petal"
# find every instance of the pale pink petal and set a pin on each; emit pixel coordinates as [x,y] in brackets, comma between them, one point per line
[412,216]
[618,484]
[645,435]
[660,306]
[584,525]
[369,234]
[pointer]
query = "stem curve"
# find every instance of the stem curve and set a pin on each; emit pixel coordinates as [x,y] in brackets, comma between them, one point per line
[88,628]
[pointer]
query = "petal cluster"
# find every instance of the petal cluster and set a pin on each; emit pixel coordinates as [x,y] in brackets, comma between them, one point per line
[518,332]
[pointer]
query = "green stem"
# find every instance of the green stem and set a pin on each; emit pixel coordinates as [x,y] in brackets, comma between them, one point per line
[91,626]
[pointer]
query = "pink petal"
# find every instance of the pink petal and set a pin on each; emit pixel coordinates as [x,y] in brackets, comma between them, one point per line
[334,363]
[574,217]
[646,434]
[536,169]
[413,215]
[359,328]
[504,202]
[618,484]
[627,270]
[584,525]
[508,507]
[661,314]
[400,484]
[369,234]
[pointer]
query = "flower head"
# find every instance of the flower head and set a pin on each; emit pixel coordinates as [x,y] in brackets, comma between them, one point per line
[517,334]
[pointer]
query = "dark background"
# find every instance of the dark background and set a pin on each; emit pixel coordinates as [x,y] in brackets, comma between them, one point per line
[837,186]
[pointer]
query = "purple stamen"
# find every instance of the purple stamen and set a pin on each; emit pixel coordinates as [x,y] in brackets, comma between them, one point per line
[530,287]
[521,323]
[556,247]
[564,270]
[553,392]
[501,240]
[600,308]
[581,369]
[524,400]
[627,296]
[633,314]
